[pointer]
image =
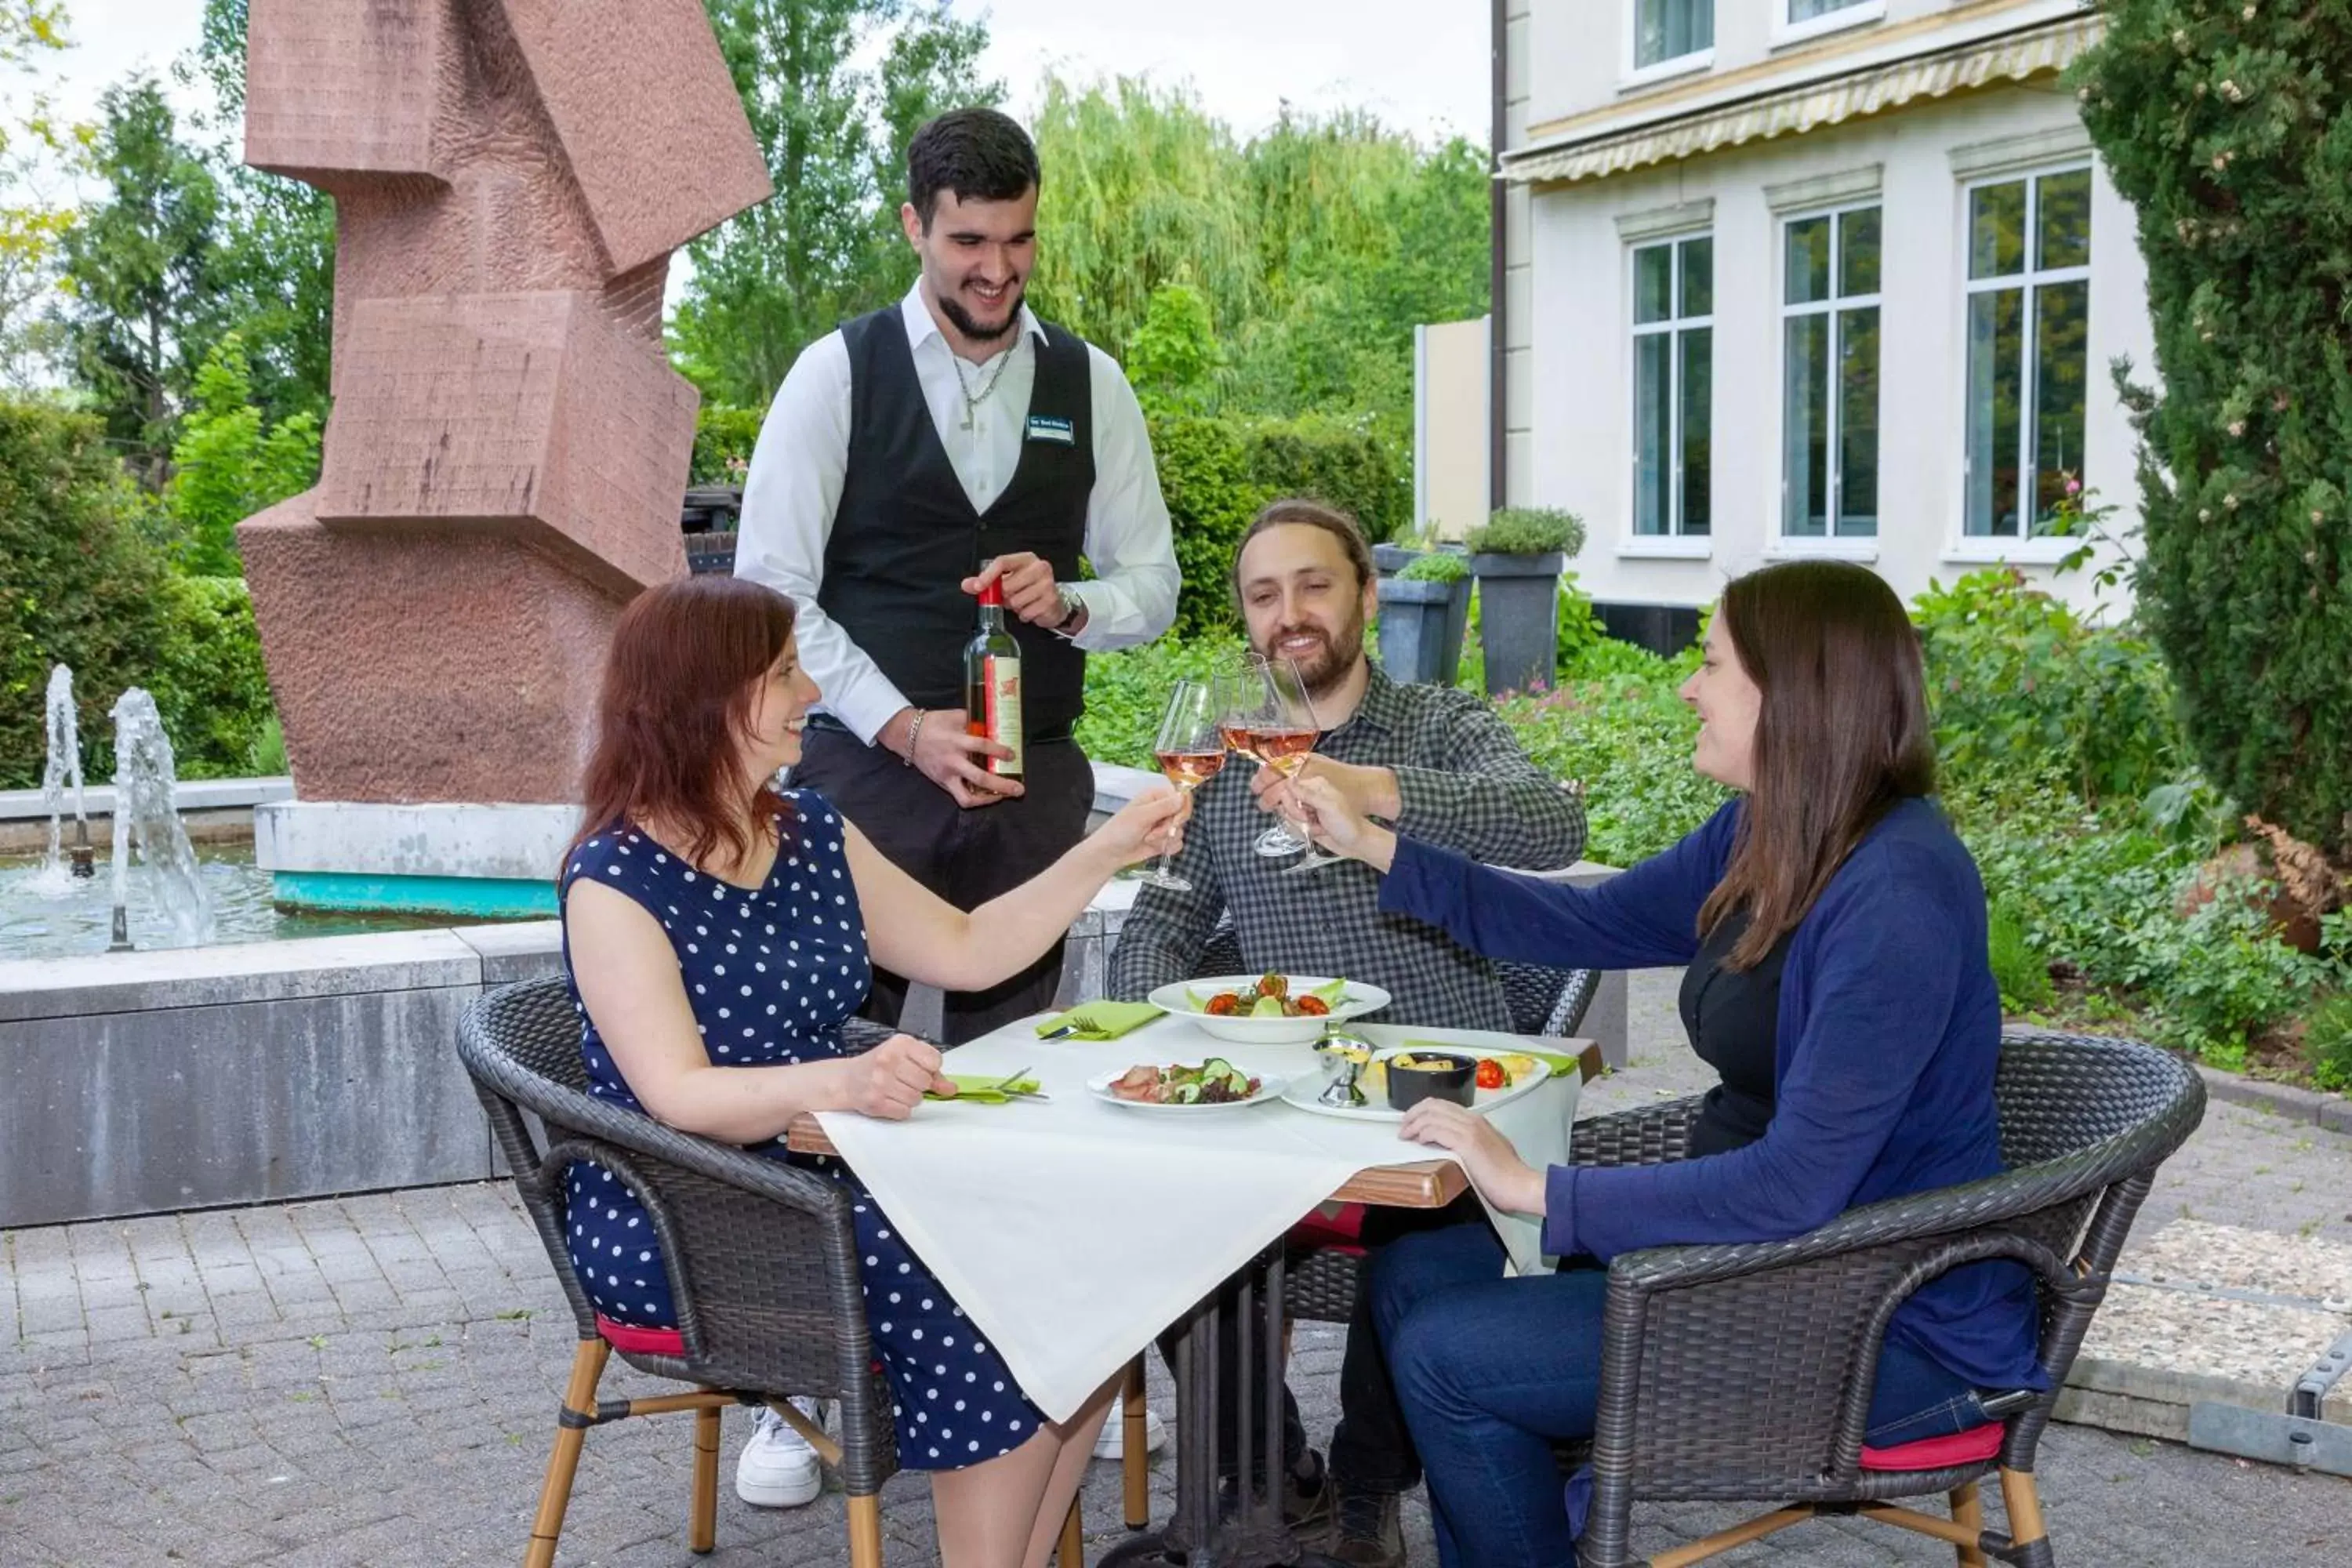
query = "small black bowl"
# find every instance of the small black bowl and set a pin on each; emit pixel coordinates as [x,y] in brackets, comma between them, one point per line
[1456,1081]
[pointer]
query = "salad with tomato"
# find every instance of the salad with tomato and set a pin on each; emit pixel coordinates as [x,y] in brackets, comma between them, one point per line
[1271,997]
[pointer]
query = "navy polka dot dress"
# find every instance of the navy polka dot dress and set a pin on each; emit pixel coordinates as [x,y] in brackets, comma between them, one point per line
[771,971]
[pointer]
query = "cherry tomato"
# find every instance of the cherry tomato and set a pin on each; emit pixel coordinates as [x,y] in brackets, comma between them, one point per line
[1311,1006]
[1491,1074]
[1224,1004]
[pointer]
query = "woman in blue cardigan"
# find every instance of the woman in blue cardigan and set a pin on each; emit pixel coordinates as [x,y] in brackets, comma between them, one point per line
[1833,928]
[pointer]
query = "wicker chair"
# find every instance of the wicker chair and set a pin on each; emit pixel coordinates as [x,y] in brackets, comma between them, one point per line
[763,1265]
[1744,1372]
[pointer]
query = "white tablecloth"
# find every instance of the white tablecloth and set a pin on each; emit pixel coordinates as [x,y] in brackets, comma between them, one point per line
[1071,1233]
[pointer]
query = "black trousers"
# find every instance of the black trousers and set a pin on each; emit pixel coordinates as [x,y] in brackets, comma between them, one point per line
[966,857]
[1372,1450]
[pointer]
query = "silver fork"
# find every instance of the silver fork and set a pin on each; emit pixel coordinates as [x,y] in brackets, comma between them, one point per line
[1077,1023]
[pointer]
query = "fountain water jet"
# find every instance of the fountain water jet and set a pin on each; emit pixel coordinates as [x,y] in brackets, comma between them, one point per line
[144,781]
[63,768]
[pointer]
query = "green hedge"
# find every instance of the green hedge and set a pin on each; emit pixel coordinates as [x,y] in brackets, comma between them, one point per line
[84,582]
[723,436]
[1126,692]
[1628,740]
[2024,688]
[1216,472]
[1340,462]
[80,584]
[1204,476]
[207,678]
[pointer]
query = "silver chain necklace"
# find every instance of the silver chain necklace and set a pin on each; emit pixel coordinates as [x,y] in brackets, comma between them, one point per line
[973,400]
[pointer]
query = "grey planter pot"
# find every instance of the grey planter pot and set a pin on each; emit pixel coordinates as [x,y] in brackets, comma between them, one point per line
[1421,629]
[1388,560]
[1519,618]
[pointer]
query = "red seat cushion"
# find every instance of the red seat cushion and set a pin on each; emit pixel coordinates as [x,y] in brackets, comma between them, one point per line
[1342,1229]
[1973,1446]
[641,1341]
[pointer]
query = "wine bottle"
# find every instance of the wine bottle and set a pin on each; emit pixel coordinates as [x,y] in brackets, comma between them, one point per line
[991,683]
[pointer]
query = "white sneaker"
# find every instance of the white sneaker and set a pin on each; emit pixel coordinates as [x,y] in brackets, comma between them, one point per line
[778,1468]
[1110,1442]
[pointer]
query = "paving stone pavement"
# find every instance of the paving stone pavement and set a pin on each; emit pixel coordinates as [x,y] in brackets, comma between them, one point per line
[372,1379]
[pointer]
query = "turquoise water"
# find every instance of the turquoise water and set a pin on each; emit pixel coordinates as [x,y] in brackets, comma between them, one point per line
[35,925]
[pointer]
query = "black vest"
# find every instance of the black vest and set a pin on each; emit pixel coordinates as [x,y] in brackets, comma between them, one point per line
[906,535]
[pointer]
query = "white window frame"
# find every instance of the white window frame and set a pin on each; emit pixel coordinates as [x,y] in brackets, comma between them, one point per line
[1675,542]
[1631,75]
[1963,547]
[1786,32]
[1844,545]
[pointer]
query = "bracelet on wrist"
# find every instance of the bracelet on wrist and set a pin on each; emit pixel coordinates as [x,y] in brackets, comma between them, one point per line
[914,734]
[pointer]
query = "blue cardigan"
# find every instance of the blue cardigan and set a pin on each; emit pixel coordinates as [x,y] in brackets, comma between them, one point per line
[1889,1034]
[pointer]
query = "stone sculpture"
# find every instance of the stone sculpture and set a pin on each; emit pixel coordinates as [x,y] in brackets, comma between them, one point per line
[509,446]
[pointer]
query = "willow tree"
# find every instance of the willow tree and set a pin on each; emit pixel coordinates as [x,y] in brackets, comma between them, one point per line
[1141,188]
[1316,247]
[2228,125]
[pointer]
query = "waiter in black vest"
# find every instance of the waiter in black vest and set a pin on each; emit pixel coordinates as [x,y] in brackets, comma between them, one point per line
[911,457]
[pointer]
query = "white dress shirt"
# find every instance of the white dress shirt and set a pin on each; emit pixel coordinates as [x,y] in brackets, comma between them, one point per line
[793,490]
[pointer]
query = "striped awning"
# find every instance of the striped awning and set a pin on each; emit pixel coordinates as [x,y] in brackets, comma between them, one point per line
[2015,57]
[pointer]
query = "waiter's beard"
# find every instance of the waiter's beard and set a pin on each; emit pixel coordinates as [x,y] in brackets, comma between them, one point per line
[953,309]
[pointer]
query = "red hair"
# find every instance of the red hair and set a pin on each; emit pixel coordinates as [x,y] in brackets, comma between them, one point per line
[675,708]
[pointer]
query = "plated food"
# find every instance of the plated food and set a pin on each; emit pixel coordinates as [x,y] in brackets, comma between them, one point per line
[1414,1076]
[1377,1085]
[1185,1086]
[1270,997]
[1214,1082]
[1268,1009]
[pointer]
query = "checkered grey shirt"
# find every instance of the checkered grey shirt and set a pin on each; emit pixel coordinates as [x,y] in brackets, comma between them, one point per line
[1465,784]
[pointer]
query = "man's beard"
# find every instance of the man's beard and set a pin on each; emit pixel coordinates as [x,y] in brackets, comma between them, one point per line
[1326,668]
[953,309]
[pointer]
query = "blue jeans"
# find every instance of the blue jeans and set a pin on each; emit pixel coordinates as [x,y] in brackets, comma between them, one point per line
[1490,1371]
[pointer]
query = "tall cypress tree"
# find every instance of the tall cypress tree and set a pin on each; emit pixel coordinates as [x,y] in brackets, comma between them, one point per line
[2228,124]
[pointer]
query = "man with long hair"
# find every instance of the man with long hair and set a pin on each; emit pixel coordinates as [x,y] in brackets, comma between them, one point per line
[1430,758]
[942,445]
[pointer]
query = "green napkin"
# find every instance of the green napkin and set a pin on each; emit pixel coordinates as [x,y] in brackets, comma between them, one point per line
[1102,1020]
[986,1089]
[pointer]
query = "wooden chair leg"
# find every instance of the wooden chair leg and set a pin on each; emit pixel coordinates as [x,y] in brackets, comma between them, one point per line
[703,1523]
[555,1495]
[1072,1551]
[1967,1512]
[866,1531]
[2023,1500]
[1135,1460]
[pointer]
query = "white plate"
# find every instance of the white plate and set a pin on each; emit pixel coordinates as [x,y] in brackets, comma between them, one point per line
[1302,1094]
[1354,1002]
[1270,1085]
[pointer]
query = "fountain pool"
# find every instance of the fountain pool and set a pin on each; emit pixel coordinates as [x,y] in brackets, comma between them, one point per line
[33,925]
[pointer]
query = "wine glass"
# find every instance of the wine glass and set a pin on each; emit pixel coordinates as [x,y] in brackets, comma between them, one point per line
[1190,749]
[1240,694]
[1279,719]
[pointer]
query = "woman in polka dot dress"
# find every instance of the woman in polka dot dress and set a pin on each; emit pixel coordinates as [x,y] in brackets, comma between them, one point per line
[717,933]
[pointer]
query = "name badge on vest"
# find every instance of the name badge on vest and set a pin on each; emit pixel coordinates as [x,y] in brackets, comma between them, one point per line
[1046,428]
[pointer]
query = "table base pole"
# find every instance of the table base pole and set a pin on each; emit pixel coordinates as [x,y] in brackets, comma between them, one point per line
[1248,1532]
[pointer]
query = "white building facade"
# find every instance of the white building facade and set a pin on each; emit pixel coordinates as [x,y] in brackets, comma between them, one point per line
[1792,278]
